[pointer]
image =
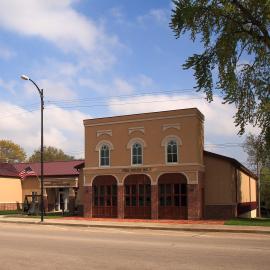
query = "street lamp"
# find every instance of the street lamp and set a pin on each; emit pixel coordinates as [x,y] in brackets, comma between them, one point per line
[24,77]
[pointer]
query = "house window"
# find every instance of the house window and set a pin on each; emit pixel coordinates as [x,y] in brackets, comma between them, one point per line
[136,154]
[172,152]
[104,155]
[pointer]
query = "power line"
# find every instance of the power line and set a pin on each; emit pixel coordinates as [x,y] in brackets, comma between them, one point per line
[110,104]
[21,113]
[106,99]
[120,96]
[125,103]
[224,145]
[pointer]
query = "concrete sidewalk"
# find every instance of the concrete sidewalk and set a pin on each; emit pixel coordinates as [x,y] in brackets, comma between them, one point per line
[139,224]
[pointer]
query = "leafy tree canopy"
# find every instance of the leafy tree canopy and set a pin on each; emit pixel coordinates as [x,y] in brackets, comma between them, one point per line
[236,56]
[50,154]
[265,187]
[11,152]
[258,155]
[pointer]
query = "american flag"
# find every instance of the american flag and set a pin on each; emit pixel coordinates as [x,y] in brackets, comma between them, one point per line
[26,172]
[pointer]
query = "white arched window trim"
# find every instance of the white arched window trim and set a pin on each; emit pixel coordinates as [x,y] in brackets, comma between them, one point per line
[98,148]
[132,154]
[165,142]
[136,140]
[130,144]
[105,158]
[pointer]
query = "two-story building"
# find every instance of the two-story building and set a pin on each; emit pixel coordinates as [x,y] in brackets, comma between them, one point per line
[152,166]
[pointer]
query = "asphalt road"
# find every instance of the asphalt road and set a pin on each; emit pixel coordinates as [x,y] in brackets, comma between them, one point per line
[54,247]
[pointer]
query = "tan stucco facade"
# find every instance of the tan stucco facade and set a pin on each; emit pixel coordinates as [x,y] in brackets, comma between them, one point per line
[10,190]
[228,188]
[152,130]
[247,192]
[219,182]
[29,185]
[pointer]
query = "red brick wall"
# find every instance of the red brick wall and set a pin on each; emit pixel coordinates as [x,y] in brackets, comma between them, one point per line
[194,201]
[120,201]
[87,201]
[219,211]
[10,206]
[154,201]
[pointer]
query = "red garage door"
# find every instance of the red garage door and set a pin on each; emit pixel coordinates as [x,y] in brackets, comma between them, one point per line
[104,196]
[172,190]
[138,196]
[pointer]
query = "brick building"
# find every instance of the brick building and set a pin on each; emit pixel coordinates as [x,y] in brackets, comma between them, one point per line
[154,166]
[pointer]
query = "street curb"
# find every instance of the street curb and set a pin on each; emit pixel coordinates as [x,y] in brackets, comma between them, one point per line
[227,230]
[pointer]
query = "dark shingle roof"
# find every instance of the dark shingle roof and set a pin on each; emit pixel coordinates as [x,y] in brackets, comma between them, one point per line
[8,170]
[54,168]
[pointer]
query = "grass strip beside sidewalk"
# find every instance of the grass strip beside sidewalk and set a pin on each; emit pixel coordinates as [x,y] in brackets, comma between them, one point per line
[249,222]
[16,214]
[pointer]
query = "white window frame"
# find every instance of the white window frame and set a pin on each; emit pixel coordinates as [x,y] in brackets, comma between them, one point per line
[99,155]
[131,158]
[130,147]
[177,152]
[165,142]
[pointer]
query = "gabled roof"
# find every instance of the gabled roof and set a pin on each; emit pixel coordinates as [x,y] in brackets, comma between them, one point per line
[80,165]
[8,170]
[52,168]
[233,161]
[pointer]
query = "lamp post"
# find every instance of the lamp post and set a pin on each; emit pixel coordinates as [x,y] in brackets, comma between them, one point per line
[40,91]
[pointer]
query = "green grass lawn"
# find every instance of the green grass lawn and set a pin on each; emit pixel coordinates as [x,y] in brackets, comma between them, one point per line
[249,222]
[22,215]
[9,212]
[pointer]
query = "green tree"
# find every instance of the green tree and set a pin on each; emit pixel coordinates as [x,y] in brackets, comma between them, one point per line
[259,161]
[265,187]
[11,152]
[50,154]
[258,155]
[236,57]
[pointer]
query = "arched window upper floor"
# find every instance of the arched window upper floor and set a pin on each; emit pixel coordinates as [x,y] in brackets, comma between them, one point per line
[171,145]
[104,148]
[137,154]
[136,145]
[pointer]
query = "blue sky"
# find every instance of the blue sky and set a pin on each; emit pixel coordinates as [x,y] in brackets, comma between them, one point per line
[97,58]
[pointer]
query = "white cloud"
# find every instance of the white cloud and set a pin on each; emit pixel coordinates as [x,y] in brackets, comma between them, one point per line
[122,86]
[158,15]
[145,81]
[52,89]
[218,117]
[117,14]
[6,53]
[61,24]
[62,128]
[116,87]
[55,21]
[8,85]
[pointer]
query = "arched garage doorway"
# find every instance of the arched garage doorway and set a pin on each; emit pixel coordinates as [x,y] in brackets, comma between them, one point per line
[104,196]
[137,196]
[172,195]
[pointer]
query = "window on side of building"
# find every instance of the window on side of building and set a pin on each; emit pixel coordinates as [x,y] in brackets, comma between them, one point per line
[137,154]
[172,151]
[104,154]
